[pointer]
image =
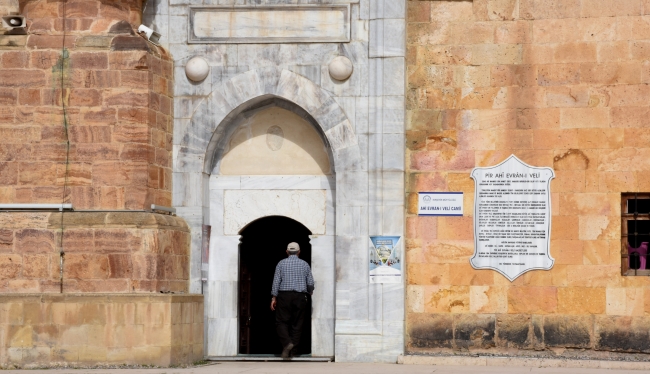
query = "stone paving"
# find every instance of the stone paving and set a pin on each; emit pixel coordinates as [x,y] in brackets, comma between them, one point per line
[339,368]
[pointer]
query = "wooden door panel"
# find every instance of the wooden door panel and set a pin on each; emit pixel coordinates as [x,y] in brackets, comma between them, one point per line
[244,309]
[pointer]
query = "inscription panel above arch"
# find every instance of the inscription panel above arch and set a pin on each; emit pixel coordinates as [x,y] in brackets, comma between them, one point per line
[270,24]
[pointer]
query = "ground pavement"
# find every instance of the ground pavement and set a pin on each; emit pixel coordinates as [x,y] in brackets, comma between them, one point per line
[337,368]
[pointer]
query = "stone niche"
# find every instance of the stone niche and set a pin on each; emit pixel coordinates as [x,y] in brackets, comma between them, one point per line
[275,141]
[100,329]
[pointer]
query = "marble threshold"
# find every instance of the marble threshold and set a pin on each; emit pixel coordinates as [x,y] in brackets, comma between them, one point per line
[269,357]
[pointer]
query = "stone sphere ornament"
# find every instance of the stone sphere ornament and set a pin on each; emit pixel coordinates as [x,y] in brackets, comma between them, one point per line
[197,69]
[340,68]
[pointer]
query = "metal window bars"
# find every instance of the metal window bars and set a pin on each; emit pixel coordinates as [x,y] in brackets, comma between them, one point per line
[635,234]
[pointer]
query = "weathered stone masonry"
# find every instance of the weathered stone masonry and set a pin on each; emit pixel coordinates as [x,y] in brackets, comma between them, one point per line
[93,329]
[117,92]
[81,76]
[559,83]
[109,93]
[562,84]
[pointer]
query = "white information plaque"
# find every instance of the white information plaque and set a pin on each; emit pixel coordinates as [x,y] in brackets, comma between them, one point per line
[440,204]
[512,218]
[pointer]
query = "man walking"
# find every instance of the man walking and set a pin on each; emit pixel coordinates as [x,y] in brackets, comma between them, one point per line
[291,284]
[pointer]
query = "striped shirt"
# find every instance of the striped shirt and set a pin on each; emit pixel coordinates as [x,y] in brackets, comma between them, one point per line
[292,274]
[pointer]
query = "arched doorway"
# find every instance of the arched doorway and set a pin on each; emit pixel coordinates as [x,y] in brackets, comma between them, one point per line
[263,245]
[336,207]
[271,178]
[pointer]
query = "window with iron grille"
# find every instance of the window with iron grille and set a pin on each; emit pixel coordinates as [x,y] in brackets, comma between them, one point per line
[635,233]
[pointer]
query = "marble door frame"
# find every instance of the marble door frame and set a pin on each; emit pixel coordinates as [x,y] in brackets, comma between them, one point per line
[317,196]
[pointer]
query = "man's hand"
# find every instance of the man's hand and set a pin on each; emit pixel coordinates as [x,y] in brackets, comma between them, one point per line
[273,303]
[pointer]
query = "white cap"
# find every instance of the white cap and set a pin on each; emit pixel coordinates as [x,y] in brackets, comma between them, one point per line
[293,248]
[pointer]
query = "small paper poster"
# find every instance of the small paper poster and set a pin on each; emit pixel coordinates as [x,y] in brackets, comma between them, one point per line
[385,259]
[440,204]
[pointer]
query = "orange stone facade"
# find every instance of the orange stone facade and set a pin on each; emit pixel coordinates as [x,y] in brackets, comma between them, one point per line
[561,84]
[96,85]
[85,118]
[100,329]
[86,109]
[103,252]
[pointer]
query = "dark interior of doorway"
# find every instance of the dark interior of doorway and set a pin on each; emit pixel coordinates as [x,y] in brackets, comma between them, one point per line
[263,245]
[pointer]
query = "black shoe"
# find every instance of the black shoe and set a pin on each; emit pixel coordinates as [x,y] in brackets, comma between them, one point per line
[286,350]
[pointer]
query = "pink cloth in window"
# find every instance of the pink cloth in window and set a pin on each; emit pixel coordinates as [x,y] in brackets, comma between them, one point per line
[643,254]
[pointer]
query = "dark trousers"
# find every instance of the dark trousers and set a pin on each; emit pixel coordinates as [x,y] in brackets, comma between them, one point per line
[290,312]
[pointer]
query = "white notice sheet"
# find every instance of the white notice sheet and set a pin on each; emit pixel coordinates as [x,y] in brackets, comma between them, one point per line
[512,218]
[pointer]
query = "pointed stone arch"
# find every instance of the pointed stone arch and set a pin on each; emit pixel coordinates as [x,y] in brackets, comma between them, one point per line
[202,197]
[209,122]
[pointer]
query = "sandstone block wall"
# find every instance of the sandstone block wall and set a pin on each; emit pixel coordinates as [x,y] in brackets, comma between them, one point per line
[85,118]
[104,252]
[562,84]
[82,75]
[96,330]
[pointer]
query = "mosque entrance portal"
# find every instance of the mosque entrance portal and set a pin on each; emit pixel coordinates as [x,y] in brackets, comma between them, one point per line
[263,245]
[271,180]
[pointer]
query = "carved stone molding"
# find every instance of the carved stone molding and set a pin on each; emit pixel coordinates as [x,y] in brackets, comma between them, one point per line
[270,24]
